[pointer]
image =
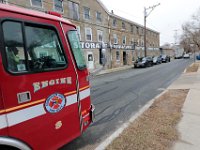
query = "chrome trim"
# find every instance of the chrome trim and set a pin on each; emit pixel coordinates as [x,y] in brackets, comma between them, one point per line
[86,116]
[7,141]
[92,111]
[77,81]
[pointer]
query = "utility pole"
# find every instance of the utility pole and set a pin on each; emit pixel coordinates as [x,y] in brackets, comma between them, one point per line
[175,36]
[146,14]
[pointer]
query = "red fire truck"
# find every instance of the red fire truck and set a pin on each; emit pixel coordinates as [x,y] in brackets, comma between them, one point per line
[44,87]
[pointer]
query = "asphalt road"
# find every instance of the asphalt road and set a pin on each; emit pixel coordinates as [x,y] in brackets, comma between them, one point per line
[118,96]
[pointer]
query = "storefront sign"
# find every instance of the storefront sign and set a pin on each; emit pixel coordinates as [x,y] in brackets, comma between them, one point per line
[90,45]
[125,47]
[97,45]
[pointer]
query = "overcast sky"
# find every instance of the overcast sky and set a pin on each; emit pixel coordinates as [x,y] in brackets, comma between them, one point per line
[165,18]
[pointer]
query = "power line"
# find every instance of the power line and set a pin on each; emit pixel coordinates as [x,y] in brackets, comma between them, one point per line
[127,13]
[148,23]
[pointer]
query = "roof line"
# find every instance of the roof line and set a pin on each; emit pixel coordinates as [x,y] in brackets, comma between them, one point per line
[130,21]
[103,6]
[119,17]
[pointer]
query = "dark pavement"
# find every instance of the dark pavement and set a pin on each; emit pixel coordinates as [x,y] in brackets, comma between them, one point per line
[119,95]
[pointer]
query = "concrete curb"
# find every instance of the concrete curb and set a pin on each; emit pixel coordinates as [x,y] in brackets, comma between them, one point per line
[114,70]
[109,140]
[187,67]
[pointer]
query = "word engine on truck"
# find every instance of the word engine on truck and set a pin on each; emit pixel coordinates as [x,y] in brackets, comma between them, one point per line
[44,88]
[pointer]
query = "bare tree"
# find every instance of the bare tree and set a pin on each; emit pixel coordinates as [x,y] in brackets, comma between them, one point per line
[185,42]
[191,32]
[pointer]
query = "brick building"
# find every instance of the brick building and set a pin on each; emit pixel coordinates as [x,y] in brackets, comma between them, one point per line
[122,38]
[130,34]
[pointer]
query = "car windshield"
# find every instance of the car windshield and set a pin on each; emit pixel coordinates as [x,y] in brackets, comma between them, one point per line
[155,58]
[143,59]
[139,59]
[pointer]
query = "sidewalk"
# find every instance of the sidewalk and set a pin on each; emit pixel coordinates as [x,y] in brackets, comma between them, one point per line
[189,126]
[115,69]
[101,71]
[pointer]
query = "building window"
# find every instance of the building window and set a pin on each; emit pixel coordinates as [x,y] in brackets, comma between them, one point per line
[73,10]
[79,32]
[142,43]
[142,31]
[124,40]
[86,13]
[137,30]
[136,42]
[123,25]
[98,15]
[36,3]
[134,29]
[132,41]
[131,28]
[3,1]
[148,33]
[117,56]
[115,38]
[58,5]
[99,35]
[114,22]
[88,34]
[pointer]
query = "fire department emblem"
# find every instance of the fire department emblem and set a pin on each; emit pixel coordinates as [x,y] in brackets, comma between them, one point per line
[55,103]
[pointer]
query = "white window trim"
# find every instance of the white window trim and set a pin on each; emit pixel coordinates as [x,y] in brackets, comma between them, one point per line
[114,39]
[86,33]
[132,28]
[84,13]
[124,26]
[117,60]
[132,41]
[100,16]
[142,43]
[5,2]
[123,39]
[36,6]
[78,13]
[114,25]
[55,8]
[98,33]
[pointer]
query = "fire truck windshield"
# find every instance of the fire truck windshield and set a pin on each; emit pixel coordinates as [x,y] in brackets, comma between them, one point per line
[76,49]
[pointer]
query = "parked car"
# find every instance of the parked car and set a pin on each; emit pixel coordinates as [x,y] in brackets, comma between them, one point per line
[143,62]
[157,60]
[198,57]
[178,56]
[186,56]
[165,58]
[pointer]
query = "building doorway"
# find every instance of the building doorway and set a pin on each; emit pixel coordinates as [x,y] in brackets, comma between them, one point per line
[90,60]
[124,58]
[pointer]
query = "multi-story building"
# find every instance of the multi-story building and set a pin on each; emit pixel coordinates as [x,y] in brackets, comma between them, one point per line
[97,27]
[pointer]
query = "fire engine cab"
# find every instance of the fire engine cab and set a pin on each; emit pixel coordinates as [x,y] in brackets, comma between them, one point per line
[44,88]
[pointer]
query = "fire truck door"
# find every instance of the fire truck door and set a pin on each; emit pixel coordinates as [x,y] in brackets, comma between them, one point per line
[40,92]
